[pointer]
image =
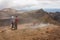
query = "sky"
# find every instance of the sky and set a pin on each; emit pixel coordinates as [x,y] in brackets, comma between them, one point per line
[29,4]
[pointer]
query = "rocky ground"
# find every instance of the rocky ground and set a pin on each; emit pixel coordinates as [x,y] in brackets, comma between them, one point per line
[31,32]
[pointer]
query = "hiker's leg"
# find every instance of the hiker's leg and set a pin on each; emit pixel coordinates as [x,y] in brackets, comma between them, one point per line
[15,25]
[12,24]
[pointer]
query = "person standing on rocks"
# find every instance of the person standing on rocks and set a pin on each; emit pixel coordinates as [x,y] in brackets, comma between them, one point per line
[16,22]
[12,22]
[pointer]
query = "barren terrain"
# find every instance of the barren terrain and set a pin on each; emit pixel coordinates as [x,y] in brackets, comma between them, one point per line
[31,32]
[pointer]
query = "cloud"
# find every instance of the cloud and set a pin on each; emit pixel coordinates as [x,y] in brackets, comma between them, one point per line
[32,4]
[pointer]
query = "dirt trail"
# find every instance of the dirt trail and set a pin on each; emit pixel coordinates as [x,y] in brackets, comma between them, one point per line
[27,26]
[30,25]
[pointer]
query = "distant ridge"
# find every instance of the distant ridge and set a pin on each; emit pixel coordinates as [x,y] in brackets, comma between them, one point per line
[52,10]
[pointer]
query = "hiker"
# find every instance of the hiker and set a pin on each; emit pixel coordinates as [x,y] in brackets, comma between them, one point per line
[12,21]
[16,22]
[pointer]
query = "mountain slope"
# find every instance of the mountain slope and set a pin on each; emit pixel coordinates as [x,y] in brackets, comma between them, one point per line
[26,17]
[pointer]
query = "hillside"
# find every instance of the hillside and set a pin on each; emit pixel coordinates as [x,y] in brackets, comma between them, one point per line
[26,17]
